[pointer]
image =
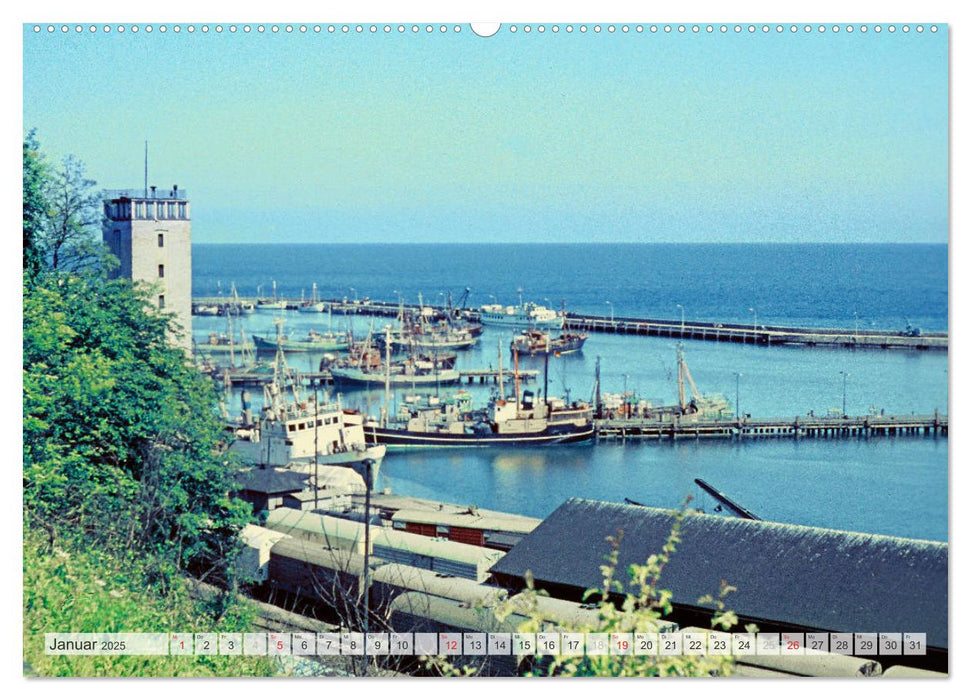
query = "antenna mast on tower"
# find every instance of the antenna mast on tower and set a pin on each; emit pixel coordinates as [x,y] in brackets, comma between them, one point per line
[146,169]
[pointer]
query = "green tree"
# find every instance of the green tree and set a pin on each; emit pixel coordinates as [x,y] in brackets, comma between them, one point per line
[35,205]
[121,436]
[73,219]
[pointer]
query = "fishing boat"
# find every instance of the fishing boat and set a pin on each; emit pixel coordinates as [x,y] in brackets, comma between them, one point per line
[206,310]
[314,306]
[525,315]
[535,342]
[237,306]
[523,420]
[419,333]
[413,371]
[427,339]
[271,304]
[518,423]
[313,342]
[295,430]
[224,343]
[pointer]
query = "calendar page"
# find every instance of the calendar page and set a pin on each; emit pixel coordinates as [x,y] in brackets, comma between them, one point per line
[437,349]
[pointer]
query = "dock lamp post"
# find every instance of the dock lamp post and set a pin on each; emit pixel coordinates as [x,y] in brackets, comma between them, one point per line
[738,412]
[856,322]
[368,465]
[755,319]
[845,375]
[611,311]
[682,319]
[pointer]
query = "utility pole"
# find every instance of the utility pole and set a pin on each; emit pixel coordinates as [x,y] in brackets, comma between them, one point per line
[738,411]
[368,464]
[845,375]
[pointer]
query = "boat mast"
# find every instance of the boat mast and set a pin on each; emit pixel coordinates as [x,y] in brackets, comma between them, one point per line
[681,397]
[515,361]
[546,375]
[232,344]
[596,384]
[387,376]
[502,392]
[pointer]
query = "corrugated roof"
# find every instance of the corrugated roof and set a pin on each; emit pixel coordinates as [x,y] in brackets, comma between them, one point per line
[270,481]
[812,577]
[258,537]
[424,581]
[505,523]
[327,527]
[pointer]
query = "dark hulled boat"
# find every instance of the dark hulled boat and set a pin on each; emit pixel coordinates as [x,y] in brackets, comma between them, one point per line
[535,342]
[503,423]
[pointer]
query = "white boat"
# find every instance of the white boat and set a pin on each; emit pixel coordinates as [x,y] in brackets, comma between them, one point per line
[314,306]
[527,315]
[292,429]
[271,304]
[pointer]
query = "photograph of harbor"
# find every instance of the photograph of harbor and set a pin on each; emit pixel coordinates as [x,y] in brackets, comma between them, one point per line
[469,350]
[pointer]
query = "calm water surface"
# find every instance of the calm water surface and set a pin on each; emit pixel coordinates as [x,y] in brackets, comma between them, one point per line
[894,486]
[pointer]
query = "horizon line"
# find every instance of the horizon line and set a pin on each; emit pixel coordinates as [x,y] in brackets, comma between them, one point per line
[569,243]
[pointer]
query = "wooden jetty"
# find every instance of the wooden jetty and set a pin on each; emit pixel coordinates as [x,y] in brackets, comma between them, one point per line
[491,376]
[754,334]
[678,427]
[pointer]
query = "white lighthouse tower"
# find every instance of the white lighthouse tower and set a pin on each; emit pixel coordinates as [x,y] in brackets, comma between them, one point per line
[149,231]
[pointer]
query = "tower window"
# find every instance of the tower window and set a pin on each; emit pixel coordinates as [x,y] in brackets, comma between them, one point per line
[139,210]
[161,301]
[182,212]
[171,210]
[161,270]
[161,240]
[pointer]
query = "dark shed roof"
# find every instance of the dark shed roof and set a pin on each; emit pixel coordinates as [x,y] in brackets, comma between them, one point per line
[270,481]
[811,577]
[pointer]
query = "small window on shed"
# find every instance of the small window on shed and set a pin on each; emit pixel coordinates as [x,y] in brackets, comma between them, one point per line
[400,525]
[442,530]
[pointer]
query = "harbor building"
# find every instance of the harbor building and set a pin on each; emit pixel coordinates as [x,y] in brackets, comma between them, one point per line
[788,578]
[149,231]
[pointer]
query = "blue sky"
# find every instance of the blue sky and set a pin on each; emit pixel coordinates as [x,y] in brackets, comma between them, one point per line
[517,137]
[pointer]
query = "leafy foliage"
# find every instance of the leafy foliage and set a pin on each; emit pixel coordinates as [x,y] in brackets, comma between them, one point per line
[73,220]
[121,435]
[35,205]
[90,591]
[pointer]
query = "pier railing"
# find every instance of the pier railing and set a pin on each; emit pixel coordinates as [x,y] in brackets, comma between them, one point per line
[688,330]
[678,427]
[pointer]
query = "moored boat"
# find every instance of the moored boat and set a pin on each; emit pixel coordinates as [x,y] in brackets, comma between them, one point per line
[525,315]
[314,306]
[534,342]
[413,371]
[313,342]
[527,422]
[221,343]
[296,430]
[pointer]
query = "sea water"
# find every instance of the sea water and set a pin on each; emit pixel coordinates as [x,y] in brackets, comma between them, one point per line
[887,485]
